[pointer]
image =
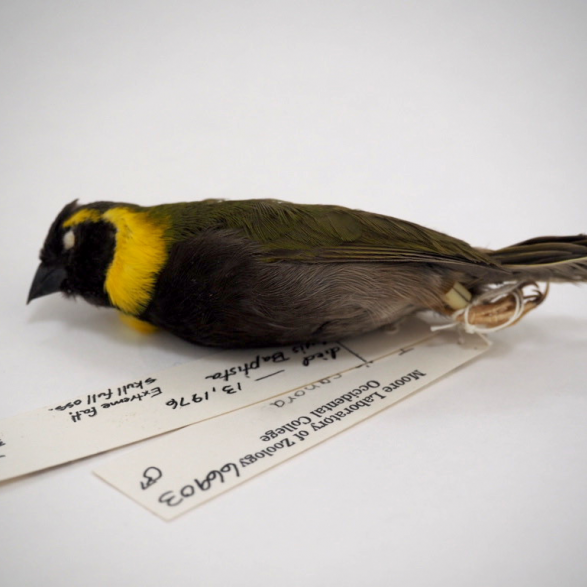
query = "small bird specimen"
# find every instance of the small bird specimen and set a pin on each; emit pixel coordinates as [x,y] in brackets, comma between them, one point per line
[265,272]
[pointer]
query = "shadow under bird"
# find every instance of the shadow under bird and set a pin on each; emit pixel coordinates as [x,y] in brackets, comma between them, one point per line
[266,272]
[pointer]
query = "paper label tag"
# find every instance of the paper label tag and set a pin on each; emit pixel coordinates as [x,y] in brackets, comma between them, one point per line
[182,395]
[185,469]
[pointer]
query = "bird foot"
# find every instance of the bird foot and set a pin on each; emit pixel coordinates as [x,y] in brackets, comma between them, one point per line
[499,307]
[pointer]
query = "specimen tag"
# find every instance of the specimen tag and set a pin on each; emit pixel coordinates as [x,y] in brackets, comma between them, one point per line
[185,469]
[185,394]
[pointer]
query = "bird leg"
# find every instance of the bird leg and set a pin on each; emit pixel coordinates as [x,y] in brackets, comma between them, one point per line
[458,297]
[496,308]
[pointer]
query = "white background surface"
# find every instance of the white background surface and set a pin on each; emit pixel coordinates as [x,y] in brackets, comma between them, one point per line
[467,117]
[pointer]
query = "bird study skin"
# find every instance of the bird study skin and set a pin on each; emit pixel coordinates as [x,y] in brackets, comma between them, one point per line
[265,272]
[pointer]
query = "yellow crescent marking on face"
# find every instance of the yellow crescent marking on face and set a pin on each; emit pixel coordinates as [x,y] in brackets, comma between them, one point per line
[139,255]
[82,216]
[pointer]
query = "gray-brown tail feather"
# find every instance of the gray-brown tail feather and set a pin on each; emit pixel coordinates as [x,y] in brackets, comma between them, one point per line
[549,258]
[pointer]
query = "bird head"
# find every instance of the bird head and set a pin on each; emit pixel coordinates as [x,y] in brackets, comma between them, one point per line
[76,254]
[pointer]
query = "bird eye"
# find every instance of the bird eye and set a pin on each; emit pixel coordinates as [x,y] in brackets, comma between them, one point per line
[68,240]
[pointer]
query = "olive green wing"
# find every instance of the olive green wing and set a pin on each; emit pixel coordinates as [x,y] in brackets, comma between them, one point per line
[327,234]
[320,234]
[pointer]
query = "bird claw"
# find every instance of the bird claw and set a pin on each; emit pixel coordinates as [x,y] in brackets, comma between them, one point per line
[500,307]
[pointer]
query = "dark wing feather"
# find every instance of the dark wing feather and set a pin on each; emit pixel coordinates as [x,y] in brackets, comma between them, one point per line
[326,234]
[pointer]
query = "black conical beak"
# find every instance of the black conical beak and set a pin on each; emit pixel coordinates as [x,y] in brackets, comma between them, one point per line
[48,280]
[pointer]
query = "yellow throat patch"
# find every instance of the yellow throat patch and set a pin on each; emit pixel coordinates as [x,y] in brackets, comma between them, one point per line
[139,255]
[136,324]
